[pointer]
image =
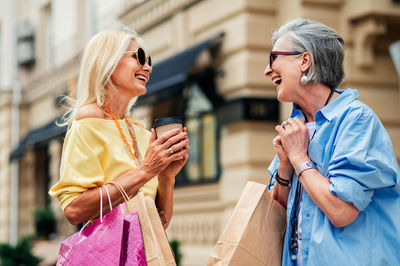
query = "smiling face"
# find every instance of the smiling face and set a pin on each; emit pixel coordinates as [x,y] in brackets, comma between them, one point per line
[285,71]
[130,77]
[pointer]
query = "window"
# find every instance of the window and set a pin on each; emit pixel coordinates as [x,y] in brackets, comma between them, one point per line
[196,104]
[201,122]
[45,38]
[200,100]
[42,177]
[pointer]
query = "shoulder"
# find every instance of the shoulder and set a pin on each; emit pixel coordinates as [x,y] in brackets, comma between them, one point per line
[361,114]
[360,126]
[89,111]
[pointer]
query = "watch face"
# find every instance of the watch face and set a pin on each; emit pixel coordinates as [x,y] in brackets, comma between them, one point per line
[309,164]
[304,166]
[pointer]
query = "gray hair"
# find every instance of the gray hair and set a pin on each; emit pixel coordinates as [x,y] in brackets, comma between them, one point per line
[323,43]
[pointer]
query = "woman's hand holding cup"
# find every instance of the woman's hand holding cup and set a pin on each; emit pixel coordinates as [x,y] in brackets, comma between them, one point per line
[169,150]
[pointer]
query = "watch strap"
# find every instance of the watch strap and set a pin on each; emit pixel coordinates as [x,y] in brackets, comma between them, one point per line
[304,166]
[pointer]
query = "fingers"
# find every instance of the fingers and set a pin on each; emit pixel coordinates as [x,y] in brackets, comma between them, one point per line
[277,141]
[167,135]
[168,139]
[179,148]
[279,129]
[174,140]
[290,125]
[153,135]
[162,151]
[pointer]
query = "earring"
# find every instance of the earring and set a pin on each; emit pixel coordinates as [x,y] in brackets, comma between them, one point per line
[303,79]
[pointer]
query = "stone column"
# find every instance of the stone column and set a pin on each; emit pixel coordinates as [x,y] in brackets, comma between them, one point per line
[26,193]
[64,228]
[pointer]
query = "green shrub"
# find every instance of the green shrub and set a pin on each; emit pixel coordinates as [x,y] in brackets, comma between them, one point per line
[175,245]
[45,222]
[20,255]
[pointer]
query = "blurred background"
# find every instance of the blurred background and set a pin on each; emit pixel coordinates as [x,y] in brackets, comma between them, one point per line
[209,57]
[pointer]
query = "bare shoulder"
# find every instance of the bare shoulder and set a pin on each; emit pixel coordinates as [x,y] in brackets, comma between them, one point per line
[89,111]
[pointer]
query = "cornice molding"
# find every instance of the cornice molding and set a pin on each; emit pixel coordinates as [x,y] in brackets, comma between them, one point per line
[50,82]
[145,15]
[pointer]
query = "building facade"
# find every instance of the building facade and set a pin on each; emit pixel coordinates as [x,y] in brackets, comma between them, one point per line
[209,57]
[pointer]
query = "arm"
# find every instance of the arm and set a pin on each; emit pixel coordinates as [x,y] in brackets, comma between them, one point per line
[166,179]
[295,143]
[165,200]
[87,205]
[339,212]
[157,158]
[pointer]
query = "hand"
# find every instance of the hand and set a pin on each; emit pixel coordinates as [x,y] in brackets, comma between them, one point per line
[169,173]
[294,140]
[158,154]
[277,142]
[285,168]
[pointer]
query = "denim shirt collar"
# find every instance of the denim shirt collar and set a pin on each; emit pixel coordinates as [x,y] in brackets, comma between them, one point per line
[331,110]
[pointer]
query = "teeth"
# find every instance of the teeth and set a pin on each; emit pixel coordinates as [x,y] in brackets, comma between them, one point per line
[141,77]
[277,81]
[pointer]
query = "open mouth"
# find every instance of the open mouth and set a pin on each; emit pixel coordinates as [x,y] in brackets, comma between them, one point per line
[141,77]
[277,81]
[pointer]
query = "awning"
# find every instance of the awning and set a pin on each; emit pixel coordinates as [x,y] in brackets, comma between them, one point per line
[39,137]
[168,77]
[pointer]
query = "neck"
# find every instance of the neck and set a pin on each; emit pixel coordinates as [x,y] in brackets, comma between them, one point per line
[117,103]
[313,98]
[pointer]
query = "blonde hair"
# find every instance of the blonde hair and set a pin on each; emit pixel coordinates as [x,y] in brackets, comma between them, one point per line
[100,58]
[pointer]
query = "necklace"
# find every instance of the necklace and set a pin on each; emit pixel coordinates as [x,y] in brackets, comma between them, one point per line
[293,245]
[329,97]
[134,155]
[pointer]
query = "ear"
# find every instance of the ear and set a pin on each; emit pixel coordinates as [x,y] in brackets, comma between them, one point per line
[306,61]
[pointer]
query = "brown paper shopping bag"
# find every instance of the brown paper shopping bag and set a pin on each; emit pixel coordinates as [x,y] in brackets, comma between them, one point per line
[156,244]
[254,233]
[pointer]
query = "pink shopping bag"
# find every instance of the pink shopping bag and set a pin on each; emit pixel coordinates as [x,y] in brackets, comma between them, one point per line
[114,239]
[132,251]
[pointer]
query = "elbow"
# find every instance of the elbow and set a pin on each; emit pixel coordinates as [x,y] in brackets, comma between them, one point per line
[165,226]
[345,217]
[72,215]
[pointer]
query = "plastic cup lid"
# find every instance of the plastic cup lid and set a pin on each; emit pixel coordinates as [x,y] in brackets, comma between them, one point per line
[167,120]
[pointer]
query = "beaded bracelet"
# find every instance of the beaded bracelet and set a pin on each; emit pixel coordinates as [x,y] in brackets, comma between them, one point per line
[281,181]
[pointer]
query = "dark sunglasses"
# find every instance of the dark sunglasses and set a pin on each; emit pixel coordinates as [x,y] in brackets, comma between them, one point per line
[274,54]
[140,55]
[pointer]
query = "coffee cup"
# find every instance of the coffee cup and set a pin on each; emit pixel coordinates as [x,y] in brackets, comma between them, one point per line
[165,124]
[162,125]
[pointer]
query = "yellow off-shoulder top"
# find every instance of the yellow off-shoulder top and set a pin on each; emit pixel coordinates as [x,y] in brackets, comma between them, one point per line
[94,154]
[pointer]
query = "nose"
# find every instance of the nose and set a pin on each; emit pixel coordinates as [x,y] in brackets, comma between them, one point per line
[147,68]
[268,71]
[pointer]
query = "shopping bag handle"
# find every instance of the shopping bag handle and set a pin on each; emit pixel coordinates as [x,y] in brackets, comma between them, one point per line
[122,191]
[101,206]
[101,201]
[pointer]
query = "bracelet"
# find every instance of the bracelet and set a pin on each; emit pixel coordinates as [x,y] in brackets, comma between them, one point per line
[304,166]
[281,181]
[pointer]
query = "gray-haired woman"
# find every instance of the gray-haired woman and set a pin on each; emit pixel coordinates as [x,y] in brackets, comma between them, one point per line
[335,170]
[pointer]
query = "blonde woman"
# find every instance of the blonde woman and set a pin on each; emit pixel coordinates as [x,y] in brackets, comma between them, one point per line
[103,145]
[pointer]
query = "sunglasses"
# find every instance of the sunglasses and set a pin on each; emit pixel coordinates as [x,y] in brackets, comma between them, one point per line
[274,54]
[140,55]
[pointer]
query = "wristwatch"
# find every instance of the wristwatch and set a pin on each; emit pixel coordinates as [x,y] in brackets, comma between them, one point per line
[304,166]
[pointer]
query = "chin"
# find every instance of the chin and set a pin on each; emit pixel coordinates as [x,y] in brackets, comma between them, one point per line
[281,97]
[140,91]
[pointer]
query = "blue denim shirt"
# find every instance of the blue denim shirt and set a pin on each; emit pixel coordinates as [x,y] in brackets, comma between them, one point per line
[352,149]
